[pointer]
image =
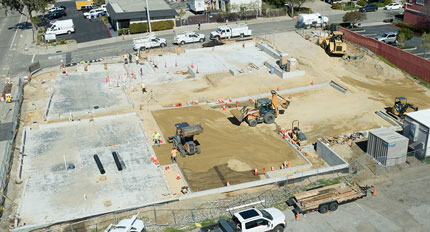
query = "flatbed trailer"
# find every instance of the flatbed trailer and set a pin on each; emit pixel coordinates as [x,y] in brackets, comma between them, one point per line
[323,199]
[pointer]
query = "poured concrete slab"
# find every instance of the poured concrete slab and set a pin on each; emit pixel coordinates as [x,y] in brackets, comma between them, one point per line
[83,93]
[53,193]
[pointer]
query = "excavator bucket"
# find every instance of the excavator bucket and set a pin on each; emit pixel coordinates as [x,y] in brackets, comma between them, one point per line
[238,114]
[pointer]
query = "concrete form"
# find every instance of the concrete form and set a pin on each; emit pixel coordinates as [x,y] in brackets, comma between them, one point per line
[54,192]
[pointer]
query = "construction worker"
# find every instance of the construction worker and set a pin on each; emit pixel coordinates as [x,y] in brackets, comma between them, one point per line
[143,88]
[125,59]
[174,153]
[156,138]
[130,58]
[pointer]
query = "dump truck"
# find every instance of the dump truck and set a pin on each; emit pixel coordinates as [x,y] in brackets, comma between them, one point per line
[270,219]
[184,141]
[266,110]
[323,199]
[333,44]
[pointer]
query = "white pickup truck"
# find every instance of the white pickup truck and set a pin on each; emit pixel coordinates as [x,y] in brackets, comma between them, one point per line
[237,30]
[251,220]
[189,37]
[127,225]
[148,42]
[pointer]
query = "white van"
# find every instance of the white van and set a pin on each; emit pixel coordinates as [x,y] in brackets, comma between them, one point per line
[61,27]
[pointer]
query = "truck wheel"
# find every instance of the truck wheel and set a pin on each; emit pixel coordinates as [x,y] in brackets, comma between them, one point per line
[182,42]
[278,228]
[202,40]
[241,35]
[269,118]
[69,32]
[333,206]
[252,123]
[217,38]
[162,45]
[198,150]
[182,152]
[142,48]
[323,209]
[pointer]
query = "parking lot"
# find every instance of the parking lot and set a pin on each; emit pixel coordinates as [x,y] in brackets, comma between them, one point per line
[85,29]
[373,31]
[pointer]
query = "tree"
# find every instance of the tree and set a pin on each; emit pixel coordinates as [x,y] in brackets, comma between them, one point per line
[401,39]
[300,3]
[354,17]
[99,2]
[425,42]
[25,7]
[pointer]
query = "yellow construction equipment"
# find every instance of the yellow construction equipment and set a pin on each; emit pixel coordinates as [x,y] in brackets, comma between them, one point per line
[333,44]
[400,108]
[296,134]
[266,110]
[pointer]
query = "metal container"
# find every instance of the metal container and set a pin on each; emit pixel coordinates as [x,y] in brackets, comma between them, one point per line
[387,146]
[284,57]
[291,65]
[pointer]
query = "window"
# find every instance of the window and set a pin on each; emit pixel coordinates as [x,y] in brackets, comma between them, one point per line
[255,223]
[419,2]
[250,225]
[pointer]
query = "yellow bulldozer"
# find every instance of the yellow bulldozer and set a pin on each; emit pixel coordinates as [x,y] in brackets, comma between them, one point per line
[333,44]
[266,110]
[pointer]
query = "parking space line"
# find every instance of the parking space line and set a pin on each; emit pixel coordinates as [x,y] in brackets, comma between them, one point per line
[32,59]
[14,36]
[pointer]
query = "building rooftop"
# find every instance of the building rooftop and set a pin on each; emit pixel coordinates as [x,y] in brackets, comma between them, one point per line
[388,135]
[138,5]
[421,116]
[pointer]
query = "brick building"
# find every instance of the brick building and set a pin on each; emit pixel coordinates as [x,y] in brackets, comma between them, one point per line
[417,12]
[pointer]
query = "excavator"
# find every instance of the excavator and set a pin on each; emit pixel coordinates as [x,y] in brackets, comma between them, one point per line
[266,110]
[333,44]
[400,108]
[296,134]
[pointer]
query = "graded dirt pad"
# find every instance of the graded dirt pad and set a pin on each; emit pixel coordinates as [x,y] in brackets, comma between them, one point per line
[228,152]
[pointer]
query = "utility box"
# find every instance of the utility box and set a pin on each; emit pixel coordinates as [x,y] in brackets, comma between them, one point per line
[416,128]
[292,65]
[387,146]
[284,58]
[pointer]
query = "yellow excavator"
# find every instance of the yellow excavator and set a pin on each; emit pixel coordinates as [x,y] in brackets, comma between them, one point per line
[400,108]
[333,44]
[266,110]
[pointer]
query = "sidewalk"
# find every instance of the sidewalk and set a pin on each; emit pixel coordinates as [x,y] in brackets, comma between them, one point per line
[38,50]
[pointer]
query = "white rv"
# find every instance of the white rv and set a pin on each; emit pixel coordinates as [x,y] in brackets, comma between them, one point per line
[61,27]
[315,20]
[197,6]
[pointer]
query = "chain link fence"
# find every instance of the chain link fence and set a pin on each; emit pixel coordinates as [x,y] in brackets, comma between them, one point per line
[6,164]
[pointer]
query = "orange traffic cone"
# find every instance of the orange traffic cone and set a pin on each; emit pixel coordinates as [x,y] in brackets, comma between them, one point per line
[297,216]
[192,64]
[273,169]
[288,164]
[312,83]
[67,74]
[237,103]
[229,99]
[250,99]
[178,177]
[264,170]
[197,71]
[374,191]
[228,184]
[64,71]
[223,108]
[255,172]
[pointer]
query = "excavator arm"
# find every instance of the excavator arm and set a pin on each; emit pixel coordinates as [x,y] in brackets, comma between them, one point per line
[284,102]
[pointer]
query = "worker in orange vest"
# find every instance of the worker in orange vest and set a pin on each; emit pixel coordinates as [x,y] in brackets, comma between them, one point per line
[174,153]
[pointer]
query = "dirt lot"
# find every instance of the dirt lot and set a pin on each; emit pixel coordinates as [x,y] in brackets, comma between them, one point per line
[229,152]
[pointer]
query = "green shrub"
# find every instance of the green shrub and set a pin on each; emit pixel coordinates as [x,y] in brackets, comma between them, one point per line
[155,26]
[61,41]
[379,4]
[361,3]
[123,31]
[386,2]
[36,20]
[337,6]
[411,27]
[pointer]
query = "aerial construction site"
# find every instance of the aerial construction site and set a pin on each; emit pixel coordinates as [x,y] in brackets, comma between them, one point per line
[87,131]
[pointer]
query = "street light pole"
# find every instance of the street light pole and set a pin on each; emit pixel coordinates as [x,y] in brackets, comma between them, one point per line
[147,15]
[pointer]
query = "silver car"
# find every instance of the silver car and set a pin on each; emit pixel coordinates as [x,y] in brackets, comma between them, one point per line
[389,37]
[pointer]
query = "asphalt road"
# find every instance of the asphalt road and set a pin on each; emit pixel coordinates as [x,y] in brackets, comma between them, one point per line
[414,42]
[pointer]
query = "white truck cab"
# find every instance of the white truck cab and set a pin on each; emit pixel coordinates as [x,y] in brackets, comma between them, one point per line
[230,31]
[189,37]
[315,20]
[150,41]
[127,225]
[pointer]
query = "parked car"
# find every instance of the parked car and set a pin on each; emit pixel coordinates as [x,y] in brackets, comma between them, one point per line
[103,7]
[56,14]
[393,6]
[86,8]
[127,225]
[369,8]
[189,37]
[389,37]
[54,8]
[94,13]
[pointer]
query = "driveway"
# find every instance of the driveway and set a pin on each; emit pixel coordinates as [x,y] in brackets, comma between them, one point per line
[373,31]
[85,29]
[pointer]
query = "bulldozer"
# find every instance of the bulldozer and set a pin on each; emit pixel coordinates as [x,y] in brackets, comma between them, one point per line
[333,44]
[296,134]
[400,108]
[266,110]
[183,140]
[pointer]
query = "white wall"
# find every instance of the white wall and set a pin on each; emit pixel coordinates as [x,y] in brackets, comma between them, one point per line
[245,3]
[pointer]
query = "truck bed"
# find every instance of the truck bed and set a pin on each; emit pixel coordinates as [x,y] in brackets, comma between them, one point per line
[222,226]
